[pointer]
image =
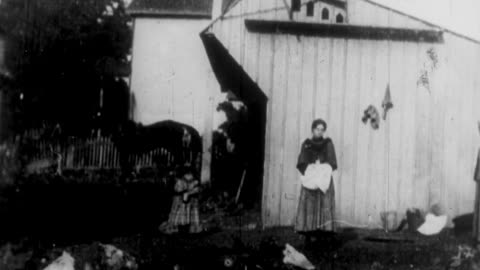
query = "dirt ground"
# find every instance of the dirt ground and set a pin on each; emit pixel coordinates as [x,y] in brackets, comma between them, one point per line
[40,220]
[351,249]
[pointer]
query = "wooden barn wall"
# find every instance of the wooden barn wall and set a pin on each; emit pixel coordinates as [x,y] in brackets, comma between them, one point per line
[424,153]
[364,12]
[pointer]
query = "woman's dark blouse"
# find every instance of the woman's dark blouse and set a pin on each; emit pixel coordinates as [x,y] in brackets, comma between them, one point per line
[313,149]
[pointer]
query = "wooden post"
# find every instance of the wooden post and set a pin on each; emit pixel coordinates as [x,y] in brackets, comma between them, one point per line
[240,187]
[208,130]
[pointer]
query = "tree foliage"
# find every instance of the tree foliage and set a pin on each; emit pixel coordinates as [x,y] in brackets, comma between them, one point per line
[62,54]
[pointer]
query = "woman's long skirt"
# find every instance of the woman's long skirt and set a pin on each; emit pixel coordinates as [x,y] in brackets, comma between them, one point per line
[316,210]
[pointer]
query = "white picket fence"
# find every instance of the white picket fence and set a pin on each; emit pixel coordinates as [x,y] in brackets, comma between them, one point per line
[96,152]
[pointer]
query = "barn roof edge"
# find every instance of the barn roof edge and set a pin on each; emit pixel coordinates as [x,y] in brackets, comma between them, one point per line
[424,21]
[431,24]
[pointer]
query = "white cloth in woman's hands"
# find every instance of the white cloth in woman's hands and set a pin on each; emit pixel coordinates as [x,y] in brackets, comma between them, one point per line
[317,176]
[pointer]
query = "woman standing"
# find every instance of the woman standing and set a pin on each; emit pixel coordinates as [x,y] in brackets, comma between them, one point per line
[316,209]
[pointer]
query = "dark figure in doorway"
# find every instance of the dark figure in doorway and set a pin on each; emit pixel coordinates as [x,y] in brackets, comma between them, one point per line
[316,210]
[182,141]
[229,167]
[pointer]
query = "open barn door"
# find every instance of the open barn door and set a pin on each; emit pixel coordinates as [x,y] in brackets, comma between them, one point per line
[249,140]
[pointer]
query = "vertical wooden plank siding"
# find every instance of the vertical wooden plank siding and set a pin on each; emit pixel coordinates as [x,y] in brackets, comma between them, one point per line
[324,63]
[280,68]
[307,105]
[378,163]
[364,85]
[267,56]
[336,96]
[352,115]
[408,90]
[437,180]
[422,179]
[422,154]
[399,128]
[291,128]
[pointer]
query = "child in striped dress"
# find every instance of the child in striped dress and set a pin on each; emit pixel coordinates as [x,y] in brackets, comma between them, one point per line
[184,213]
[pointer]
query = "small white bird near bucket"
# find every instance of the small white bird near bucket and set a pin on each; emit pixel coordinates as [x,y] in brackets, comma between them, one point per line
[433,224]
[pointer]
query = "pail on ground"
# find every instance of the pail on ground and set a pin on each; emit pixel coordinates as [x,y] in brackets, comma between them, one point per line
[389,220]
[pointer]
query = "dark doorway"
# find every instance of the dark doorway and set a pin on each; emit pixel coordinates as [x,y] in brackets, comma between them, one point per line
[249,140]
[257,127]
[238,152]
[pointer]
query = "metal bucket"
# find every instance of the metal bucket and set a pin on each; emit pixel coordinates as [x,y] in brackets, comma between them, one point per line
[389,220]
